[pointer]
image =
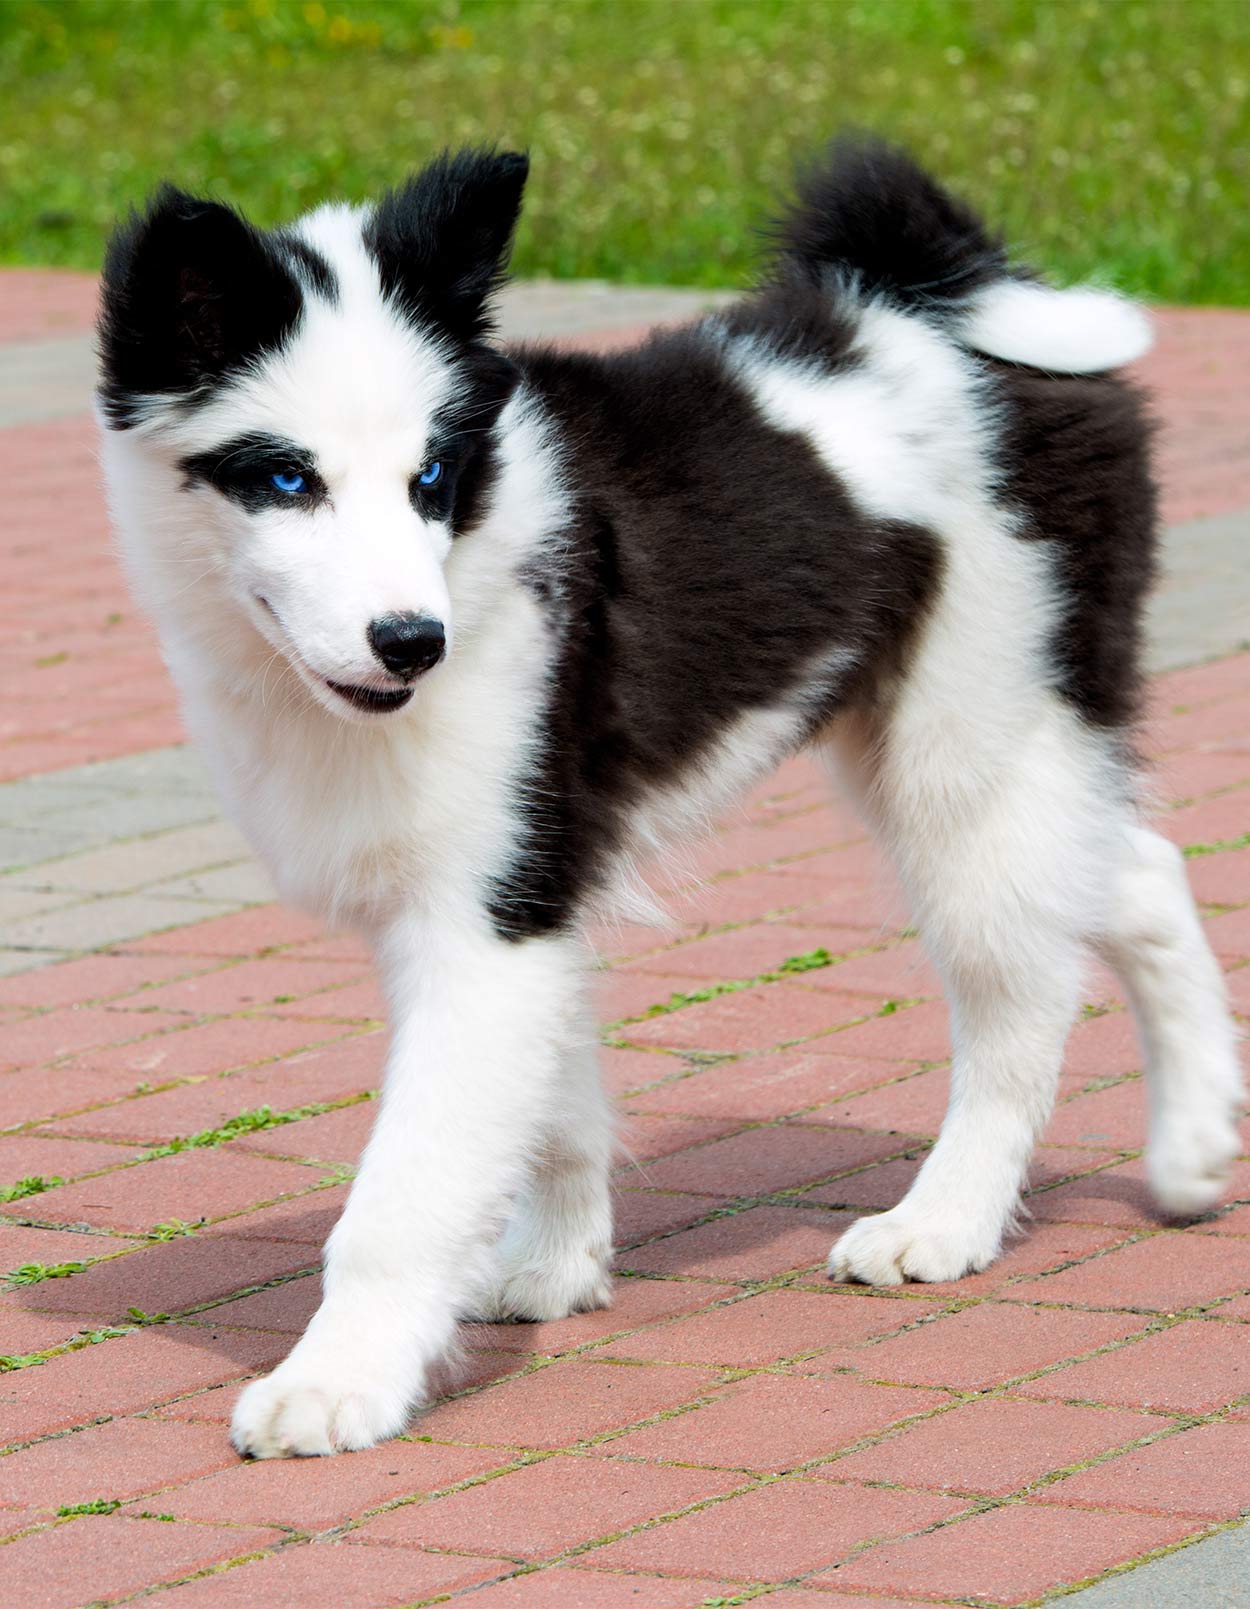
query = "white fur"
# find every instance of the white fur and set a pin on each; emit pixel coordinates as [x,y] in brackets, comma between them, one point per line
[902,427]
[1155,941]
[554,1257]
[1076,331]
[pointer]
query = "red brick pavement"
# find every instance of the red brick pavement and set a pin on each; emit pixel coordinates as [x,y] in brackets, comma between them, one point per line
[734,1422]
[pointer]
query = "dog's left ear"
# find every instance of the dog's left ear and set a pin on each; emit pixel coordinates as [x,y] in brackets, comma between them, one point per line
[442,240]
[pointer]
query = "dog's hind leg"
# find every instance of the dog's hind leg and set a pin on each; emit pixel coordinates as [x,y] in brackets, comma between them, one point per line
[998,820]
[554,1257]
[1155,942]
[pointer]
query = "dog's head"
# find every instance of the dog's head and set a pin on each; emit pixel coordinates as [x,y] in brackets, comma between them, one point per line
[324,396]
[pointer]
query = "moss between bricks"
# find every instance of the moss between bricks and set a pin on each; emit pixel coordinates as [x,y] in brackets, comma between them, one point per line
[792,966]
[248,1122]
[252,1121]
[1218,847]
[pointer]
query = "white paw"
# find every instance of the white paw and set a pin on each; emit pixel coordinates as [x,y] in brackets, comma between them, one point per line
[906,1244]
[1190,1162]
[292,1413]
[579,1282]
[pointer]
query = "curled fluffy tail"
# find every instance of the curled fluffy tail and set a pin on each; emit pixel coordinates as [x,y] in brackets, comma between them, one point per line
[868,213]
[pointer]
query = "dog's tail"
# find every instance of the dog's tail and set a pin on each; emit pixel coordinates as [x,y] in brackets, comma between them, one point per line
[868,214]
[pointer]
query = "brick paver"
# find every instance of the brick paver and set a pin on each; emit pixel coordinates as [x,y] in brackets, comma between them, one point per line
[734,1422]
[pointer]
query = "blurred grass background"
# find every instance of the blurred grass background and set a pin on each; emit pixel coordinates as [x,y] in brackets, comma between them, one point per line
[1106,137]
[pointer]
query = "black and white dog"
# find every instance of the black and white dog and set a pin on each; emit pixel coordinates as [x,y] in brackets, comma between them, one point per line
[465,632]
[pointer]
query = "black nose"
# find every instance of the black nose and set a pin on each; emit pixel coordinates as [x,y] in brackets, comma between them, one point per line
[407,644]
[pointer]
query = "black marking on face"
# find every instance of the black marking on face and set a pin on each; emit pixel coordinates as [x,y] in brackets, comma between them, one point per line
[313,266]
[463,437]
[441,240]
[193,294]
[435,501]
[247,468]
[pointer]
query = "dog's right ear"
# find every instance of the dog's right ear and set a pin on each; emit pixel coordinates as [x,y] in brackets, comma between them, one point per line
[441,241]
[190,293]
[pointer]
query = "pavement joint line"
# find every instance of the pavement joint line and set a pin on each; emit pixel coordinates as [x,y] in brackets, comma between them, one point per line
[254,1555]
[889,1008]
[681,999]
[144,1088]
[786,1196]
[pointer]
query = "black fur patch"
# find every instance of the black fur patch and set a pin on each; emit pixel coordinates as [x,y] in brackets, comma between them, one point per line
[799,322]
[441,240]
[191,293]
[466,431]
[1075,458]
[867,210]
[713,561]
[242,470]
[318,273]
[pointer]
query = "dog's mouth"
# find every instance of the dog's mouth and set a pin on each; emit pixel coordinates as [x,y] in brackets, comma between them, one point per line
[376,699]
[373,700]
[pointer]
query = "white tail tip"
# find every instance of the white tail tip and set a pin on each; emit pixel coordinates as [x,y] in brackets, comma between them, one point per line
[1075,331]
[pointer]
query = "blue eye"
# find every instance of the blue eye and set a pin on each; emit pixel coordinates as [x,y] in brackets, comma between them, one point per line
[289,481]
[431,475]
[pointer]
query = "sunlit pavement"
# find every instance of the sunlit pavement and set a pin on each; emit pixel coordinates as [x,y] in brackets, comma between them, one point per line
[734,1422]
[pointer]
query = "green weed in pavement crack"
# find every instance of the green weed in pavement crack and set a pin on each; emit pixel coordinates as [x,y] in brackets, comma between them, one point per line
[174,1228]
[793,965]
[254,1121]
[36,1273]
[20,1360]
[33,1185]
[1217,847]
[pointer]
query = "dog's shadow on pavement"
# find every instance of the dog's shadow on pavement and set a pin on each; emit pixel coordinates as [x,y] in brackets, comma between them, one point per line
[256,1274]
[207,1309]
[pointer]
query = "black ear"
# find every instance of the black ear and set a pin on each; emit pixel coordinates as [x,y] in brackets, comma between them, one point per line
[441,241]
[191,291]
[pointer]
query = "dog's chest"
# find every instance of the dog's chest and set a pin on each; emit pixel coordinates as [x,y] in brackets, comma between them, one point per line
[354,821]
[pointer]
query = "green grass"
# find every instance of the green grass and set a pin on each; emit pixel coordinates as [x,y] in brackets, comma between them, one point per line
[1108,137]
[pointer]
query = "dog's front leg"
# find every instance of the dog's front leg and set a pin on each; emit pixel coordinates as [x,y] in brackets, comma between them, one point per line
[478,1025]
